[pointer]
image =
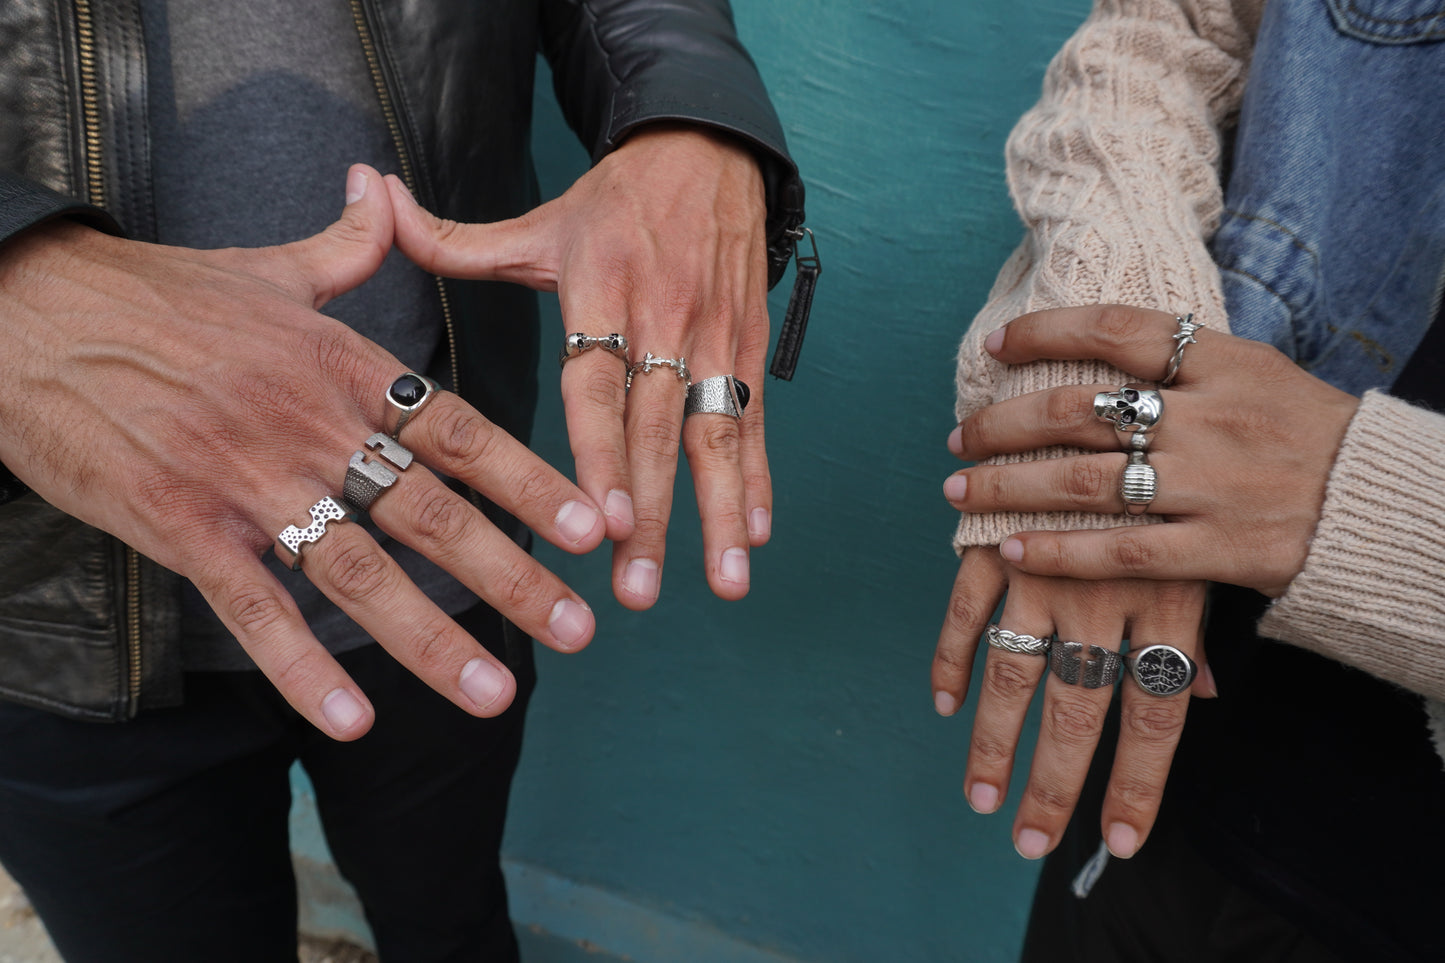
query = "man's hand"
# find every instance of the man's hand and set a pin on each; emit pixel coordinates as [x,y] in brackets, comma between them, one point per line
[195,403]
[663,242]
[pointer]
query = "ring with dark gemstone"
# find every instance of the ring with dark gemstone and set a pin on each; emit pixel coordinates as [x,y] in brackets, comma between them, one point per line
[408,395]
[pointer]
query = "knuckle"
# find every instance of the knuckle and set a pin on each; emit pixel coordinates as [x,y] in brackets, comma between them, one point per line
[1133,553]
[1119,324]
[1006,679]
[1157,721]
[441,518]
[603,386]
[356,572]
[657,439]
[718,441]
[964,612]
[989,752]
[1063,413]
[1050,798]
[458,434]
[255,611]
[1086,480]
[1135,796]
[952,658]
[516,586]
[430,646]
[1074,723]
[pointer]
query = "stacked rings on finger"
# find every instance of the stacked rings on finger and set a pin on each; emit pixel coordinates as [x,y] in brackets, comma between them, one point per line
[1161,670]
[324,512]
[650,361]
[1015,642]
[1099,671]
[367,480]
[719,395]
[1134,411]
[408,395]
[578,343]
[1184,336]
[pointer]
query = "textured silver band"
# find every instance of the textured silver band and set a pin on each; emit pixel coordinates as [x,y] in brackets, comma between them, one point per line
[649,361]
[1100,670]
[578,343]
[327,510]
[1139,485]
[407,396]
[1184,336]
[366,480]
[719,395]
[1161,670]
[1015,642]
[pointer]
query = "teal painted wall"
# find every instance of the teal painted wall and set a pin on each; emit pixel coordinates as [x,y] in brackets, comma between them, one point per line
[769,775]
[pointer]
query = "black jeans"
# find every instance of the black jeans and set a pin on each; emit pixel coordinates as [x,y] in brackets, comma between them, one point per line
[165,838]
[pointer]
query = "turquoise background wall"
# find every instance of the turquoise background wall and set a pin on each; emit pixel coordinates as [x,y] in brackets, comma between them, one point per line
[767,780]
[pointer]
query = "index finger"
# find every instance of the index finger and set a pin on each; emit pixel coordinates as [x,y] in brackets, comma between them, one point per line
[1137,340]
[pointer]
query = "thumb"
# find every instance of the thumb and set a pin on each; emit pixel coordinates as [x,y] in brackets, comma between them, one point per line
[521,250]
[351,249]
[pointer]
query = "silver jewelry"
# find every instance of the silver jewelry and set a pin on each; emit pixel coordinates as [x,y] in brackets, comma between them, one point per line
[366,480]
[1015,642]
[649,362]
[718,395]
[409,394]
[1139,485]
[327,510]
[578,343]
[1100,670]
[1161,670]
[1133,410]
[1182,337]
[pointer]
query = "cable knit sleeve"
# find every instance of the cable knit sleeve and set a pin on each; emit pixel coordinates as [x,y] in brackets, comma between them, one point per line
[1115,173]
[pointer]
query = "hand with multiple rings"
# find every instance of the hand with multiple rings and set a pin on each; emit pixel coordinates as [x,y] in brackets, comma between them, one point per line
[660,248]
[195,403]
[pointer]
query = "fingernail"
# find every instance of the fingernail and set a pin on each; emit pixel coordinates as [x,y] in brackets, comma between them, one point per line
[1123,840]
[760,524]
[483,682]
[640,578]
[1031,844]
[1012,549]
[342,710]
[946,704]
[955,440]
[994,341]
[955,487]
[571,623]
[405,188]
[619,506]
[984,799]
[575,521]
[355,185]
[734,566]
[1210,689]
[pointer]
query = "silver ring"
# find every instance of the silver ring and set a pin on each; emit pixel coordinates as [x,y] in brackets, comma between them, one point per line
[649,362]
[1140,483]
[718,395]
[408,395]
[1100,670]
[1133,410]
[1182,337]
[1161,670]
[1015,642]
[327,510]
[578,343]
[366,480]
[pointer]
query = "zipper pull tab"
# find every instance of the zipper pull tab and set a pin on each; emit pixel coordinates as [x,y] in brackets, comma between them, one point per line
[800,304]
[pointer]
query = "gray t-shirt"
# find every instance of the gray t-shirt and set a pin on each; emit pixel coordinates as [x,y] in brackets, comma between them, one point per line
[257,109]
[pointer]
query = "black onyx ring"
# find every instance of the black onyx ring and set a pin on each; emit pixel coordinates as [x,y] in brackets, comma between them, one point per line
[1161,670]
[409,394]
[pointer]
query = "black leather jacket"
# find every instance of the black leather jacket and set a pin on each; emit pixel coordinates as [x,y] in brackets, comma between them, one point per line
[89,628]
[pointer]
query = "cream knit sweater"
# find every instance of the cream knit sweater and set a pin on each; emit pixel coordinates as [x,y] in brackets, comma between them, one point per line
[1115,172]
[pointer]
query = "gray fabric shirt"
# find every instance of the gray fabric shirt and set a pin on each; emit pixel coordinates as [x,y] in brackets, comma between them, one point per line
[257,109]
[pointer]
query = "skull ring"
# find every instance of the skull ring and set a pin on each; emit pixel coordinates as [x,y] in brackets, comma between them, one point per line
[1133,410]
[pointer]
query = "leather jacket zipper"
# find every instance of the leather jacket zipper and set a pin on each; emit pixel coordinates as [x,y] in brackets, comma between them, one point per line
[95,194]
[408,169]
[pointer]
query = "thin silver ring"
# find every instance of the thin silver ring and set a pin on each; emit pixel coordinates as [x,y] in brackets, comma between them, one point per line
[575,344]
[650,361]
[328,510]
[718,395]
[1184,336]
[1099,671]
[1016,642]
[367,480]
[1140,484]
[1161,670]
[407,396]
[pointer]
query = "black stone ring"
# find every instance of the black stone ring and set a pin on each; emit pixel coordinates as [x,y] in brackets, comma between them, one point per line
[408,395]
[1161,670]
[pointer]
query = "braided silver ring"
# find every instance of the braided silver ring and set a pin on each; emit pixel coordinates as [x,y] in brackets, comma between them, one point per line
[719,395]
[578,343]
[1099,671]
[1161,670]
[366,480]
[1140,483]
[650,361]
[1015,642]
[408,395]
[327,510]
[1184,336]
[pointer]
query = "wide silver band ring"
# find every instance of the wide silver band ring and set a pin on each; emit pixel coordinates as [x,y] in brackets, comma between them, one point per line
[1139,485]
[1184,336]
[650,361]
[718,395]
[1161,670]
[367,480]
[1099,671]
[1133,410]
[1015,642]
[575,344]
[324,512]
[407,396]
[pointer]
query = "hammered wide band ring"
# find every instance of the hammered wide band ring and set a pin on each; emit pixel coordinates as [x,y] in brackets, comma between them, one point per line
[1133,410]
[1015,642]
[1139,485]
[1184,336]
[649,361]
[407,396]
[1099,671]
[719,395]
[1161,670]
[324,512]
[578,343]
[366,480]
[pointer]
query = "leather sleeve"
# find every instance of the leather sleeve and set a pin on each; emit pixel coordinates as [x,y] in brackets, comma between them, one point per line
[618,64]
